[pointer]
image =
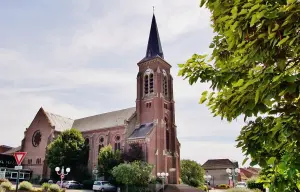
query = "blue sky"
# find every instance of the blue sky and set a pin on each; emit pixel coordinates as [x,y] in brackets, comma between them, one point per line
[78,58]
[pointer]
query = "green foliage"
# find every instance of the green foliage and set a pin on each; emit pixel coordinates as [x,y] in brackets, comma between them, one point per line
[254,72]
[45,186]
[88,184]
[252,183]
[107,160]
[135,153]
[68,150]
[191,173]
[135,173]
[6,185]
[1,189]
[223,186]
[54,188]
[239,190]
[25,186]
[3,180]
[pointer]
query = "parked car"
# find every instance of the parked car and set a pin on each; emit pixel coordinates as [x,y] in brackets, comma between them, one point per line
[241,185]
[73,185]
[103,186]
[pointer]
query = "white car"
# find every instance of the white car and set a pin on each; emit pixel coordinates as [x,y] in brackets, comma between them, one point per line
[241,185]
[103,186]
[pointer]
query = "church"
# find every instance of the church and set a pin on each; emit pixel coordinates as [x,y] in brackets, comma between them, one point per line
[151,123]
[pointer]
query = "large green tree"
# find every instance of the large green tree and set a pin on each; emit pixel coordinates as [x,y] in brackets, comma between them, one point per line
[107,160]
[191,173]
[69,150]
[254,72]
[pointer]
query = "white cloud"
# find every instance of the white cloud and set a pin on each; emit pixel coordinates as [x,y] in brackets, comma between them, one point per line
[73,58]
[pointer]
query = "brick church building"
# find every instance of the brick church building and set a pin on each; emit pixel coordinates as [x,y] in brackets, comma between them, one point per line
[151,123]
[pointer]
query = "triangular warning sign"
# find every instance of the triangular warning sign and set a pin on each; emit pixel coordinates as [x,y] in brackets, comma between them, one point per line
[19,156]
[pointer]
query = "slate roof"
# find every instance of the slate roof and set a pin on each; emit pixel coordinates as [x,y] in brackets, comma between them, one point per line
[101,121]
[154,47]
[104,120]
[61,123]
[142,131]
[218,164]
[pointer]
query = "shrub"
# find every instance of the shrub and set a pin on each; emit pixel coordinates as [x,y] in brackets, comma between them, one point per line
[1,189]
[223,186]
[3,180]
[194,182]
[88,184]
[62,190]
[25,186]
[54,188]
[239,190]
[6,185]
[203,188]
[37,190]
[45,186]
[252,184]
[257,190]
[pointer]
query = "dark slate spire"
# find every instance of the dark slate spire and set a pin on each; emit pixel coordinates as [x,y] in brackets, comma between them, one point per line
[154,46]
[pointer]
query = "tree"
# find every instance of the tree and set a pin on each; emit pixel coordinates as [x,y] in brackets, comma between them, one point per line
[135,153]
[135,173]
[69,150]
[191,173]
[107,160]
[254,72]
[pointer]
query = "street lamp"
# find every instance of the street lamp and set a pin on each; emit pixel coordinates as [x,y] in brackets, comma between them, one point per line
[163,176]
[232,174]
[207,178]
[95,172]
[62,173]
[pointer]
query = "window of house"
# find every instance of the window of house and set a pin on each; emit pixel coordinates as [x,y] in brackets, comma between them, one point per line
[29,161]
[117,143]
[165,106]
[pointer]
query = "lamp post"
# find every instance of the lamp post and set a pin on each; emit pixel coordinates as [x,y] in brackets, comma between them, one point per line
[95,172]
[163,176]
[232,174]
[62,173]
[207,178]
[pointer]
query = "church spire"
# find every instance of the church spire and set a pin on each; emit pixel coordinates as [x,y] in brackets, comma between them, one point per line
[154,45]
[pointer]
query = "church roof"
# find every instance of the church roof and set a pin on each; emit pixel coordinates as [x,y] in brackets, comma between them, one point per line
[104,120]
[142,131]
[154,47]
[101,121]
[61,123]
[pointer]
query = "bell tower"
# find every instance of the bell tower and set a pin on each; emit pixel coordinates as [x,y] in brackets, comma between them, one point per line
[155,103]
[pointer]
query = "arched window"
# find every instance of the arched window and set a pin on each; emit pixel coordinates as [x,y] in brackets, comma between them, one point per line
[117,143]
[101,143]
[87,141]
[148,81]
[167,135]
[165,84]
[146,84]
[151,83]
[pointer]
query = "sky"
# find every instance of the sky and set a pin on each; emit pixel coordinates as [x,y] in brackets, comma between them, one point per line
[79,58]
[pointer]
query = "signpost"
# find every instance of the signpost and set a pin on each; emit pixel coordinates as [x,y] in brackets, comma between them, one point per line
[19,156]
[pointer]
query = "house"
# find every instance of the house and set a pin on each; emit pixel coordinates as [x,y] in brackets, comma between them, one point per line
[216,168]
[151,123]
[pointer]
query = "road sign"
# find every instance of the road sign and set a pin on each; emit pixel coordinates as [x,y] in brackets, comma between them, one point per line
[18,167]
[19,156]
[62,176]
